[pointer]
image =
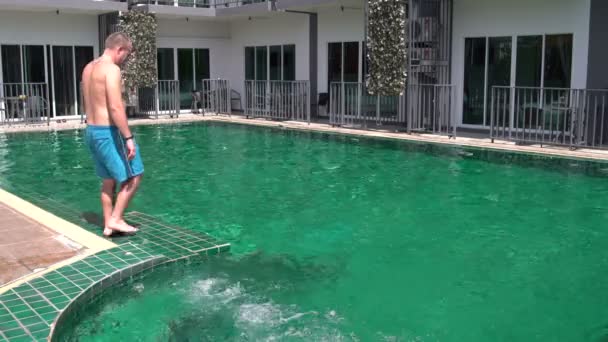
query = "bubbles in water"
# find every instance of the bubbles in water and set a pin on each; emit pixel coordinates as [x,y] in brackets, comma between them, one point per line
[491,197]
[258,314]
[139,287]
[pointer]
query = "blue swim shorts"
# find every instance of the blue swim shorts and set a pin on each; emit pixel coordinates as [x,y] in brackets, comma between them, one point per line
[109,153]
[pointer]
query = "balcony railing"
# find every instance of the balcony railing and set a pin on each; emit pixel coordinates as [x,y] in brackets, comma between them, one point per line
[195,3]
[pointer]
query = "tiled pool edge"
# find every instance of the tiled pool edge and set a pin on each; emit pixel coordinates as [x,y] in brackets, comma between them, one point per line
[484,143]
[97,288]
[31,313]
[35,308]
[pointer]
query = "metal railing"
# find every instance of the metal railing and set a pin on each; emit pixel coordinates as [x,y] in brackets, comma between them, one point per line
[24,103]
[550,116]
[196,3]
[163,99]
[351,105]
[176,3]
[282,100]
[430,108]
[213,96]
[235,3]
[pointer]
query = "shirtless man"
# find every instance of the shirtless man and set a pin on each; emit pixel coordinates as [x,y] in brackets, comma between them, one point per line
[108,137]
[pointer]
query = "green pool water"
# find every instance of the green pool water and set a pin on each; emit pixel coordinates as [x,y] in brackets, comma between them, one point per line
[341,238]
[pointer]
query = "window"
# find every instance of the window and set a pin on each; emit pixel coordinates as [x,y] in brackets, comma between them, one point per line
[529,61]
[558,61]
[193,66]
[84,54]
[542,61]
[275,63]
[164,61]
[343,61]
[474,81]
[289,62]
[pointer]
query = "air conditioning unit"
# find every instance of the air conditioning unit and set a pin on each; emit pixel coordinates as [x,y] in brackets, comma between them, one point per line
[424,54]
[425,29]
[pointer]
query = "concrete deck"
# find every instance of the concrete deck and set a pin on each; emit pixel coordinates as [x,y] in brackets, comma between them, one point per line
[34,242]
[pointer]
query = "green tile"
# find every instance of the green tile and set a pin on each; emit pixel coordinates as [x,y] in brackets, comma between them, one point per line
[96,277]
[32,299]
[6,318]
[31,321]
[40,282]
[39,305]
[42,335]
[49,317]
[18,308]
[10,295]
[12,324]
[38,327]
[71,290]
[25,338]
[46,310]
[13,302]
[60,302]
[54,294]
[24,291]
[84,283]
[14,333]
[24,314]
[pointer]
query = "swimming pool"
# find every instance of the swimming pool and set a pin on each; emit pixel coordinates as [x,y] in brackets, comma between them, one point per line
[343,238]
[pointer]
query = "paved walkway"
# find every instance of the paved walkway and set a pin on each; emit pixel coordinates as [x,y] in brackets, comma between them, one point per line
[27,246]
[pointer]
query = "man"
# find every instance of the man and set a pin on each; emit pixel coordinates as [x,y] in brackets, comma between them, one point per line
[108,137]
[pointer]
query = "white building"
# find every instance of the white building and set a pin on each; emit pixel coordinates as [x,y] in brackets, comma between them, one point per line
[539,43]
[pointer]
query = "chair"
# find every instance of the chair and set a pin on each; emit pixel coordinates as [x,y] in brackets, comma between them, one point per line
[196,101]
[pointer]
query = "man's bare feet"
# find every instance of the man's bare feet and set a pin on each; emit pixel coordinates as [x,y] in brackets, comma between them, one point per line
[122,221]
[116,226]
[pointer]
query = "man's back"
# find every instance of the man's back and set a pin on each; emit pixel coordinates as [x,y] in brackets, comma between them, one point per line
[99,78]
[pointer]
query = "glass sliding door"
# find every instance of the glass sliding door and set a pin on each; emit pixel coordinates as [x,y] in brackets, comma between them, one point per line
[33,64]
[261,63]
[334,63]
[84,54]
[11,71]
[343,62]
[185,74]
[275,63]
[558,61]
[499,69]
[528,69]
[202,68]
[11,64]
[474,81]
[351,62]
[165,64]
[289,62]
[249,63]
[63,82]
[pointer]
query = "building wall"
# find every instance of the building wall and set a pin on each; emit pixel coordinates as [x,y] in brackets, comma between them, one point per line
[278,29]
[483,18]
[42,28]
[336,25]
[215,36]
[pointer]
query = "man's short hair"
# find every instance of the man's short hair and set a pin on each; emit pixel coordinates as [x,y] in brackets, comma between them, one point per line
[117,40]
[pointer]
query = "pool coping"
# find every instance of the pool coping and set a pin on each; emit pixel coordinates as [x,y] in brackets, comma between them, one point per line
[463,141]
[33,308]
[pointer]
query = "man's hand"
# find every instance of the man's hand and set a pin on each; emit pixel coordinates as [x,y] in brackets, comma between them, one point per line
[130,149]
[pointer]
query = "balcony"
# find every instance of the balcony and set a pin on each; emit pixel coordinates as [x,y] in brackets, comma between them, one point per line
[76,6]
[189,8]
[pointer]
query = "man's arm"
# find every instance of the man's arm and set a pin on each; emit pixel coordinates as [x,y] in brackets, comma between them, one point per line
[116,108]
